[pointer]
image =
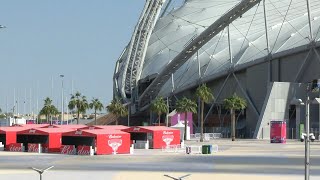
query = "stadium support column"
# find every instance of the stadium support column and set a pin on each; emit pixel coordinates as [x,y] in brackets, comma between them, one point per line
[267,41]
[199,66]
[172,83]
[309,18]
[229,44]
[199,71]
[167,115]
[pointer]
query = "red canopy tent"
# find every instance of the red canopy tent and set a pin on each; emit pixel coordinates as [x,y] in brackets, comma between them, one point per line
[158,136]
[105,141]
[8,135]
[49,137]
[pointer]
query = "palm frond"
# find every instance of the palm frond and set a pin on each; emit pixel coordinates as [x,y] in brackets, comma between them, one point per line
[204,93]
[235,102]
[186,105]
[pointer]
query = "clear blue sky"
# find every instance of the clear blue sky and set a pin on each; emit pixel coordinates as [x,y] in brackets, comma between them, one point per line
[80,39]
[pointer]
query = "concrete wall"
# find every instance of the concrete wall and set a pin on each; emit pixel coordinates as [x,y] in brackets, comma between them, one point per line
[275,108]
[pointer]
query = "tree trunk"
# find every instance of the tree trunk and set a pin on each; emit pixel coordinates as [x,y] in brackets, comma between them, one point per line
[117,120]
[95,117]
[185,126]
[201,130]
[233,125]
[78,116]
[159,118]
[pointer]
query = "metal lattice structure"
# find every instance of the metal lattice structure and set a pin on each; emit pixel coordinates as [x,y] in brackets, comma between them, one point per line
[222,43]
[136,50]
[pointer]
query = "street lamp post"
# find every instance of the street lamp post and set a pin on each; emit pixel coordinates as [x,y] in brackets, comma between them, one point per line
[307,142]
[306,137]
[62,97]
[41,171]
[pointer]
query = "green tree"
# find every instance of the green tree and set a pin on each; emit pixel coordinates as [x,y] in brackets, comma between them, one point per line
[117,108]
[79,103]
[2,115]
[159,106]
[205,96]
[48,109]
[234,103]
[97,106]
[186,105]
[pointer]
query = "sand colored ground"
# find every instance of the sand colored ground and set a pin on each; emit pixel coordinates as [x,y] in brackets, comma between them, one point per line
[201,176]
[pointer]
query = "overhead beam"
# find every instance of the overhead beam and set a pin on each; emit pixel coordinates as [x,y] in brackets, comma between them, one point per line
[193,47]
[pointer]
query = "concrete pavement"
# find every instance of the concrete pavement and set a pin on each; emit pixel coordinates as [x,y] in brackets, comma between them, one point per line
[243,159]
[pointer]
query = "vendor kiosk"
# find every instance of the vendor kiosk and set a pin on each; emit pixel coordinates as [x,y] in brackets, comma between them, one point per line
[49,138]
[8,137]
[157,136]
[103,141]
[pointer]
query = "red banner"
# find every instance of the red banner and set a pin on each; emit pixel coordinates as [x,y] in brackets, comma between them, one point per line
[16,147]
[33,147]
[84,150]
[68,149]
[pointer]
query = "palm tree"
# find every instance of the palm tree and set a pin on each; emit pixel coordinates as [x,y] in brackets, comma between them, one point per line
[186,105]
[205,96]
[48,109]
[159,106]
[79,103]
[234,103]
[97,106]
[117,108]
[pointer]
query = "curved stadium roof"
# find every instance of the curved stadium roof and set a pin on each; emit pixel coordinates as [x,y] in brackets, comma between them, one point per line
[248,40]
[288,29]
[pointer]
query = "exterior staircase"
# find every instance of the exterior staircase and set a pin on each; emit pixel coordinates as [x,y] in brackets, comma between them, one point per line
[105,120]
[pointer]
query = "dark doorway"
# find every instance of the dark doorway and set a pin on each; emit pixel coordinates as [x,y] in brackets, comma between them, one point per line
[78,141]
[138,136]
[26,139]
[3,139]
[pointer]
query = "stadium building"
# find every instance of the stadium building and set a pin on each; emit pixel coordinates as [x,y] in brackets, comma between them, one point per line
[265,51]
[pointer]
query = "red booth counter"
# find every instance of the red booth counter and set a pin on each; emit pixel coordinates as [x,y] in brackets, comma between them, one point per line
[8,135]
[158,136]
[103,140]
[49,137]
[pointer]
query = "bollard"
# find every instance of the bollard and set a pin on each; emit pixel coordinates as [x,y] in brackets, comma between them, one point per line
[188,150]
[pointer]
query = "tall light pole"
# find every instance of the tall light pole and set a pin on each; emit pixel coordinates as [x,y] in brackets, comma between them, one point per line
[307,141]
[314,87]
[62,97]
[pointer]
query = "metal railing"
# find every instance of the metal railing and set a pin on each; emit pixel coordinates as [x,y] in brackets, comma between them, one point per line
[207,136]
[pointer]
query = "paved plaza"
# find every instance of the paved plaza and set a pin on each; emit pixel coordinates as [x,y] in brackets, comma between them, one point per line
[243,159]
